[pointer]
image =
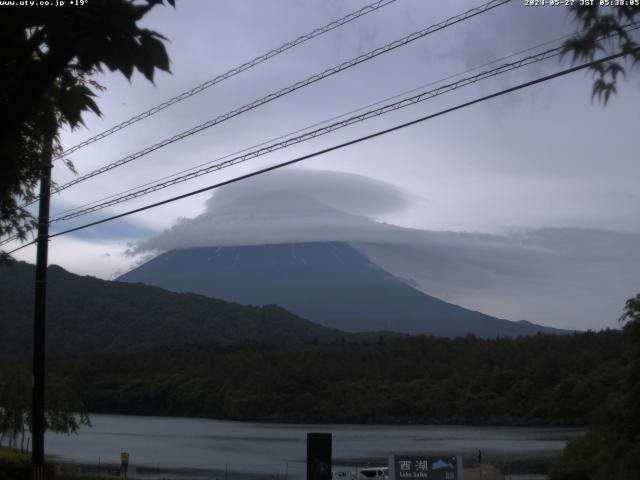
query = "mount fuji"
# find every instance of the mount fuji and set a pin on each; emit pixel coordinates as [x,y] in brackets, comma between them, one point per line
[329,283]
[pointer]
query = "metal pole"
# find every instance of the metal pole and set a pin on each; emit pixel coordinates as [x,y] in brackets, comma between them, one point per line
[39,321]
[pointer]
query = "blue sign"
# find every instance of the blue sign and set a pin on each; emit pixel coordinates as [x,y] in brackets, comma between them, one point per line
[425,467]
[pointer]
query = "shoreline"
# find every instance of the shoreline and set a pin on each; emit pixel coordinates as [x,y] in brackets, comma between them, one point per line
[295,423]
[175,447]
[521,469]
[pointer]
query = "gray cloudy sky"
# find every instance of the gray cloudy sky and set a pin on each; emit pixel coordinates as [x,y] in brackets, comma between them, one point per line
[568,277]
[545,168]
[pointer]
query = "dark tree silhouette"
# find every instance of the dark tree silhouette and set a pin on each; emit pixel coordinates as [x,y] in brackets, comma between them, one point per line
[65,411]
[611,446]
[47,58]
[632,311]
[602,29]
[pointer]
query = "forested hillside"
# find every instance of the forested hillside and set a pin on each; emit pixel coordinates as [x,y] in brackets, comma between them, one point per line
[528,380]
[86,314]
[329,283]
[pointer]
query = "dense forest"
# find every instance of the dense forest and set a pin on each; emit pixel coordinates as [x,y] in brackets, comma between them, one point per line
[542,379]
[86,314]
[611,447]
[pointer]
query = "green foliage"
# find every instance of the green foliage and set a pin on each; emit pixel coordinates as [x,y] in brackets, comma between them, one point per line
[47,57]
[17,466]
[14,401]
[64,410]
[601,29]
[611,446]
[544,379]
[8,455]
[631,317]
[88,314]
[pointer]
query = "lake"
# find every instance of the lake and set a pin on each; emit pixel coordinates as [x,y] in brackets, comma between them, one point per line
[234,449]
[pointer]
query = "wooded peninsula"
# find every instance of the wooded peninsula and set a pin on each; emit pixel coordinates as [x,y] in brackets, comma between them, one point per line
[538,380]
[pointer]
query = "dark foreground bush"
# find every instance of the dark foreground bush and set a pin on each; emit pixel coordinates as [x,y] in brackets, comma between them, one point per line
[611,447]
[17,466]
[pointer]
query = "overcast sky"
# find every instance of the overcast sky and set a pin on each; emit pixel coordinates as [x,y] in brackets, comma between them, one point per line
[546,159]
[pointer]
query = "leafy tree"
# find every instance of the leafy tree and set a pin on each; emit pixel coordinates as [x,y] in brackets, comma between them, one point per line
[611,446]
[14,401]
[47,58]
[631,316]
[601,29]
[65,411]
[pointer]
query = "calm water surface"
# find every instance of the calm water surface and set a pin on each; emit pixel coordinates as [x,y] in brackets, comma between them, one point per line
[273,449]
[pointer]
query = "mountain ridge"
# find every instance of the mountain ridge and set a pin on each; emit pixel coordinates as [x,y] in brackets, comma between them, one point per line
[86,314]
[329,283]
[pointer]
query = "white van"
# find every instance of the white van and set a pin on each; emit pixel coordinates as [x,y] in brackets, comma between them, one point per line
[373,473]
[370,473]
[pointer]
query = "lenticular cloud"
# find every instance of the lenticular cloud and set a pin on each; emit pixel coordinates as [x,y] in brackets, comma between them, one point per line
[288,207]
[569,278]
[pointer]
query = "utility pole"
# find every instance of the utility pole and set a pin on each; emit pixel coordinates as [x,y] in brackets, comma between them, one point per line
[39,321]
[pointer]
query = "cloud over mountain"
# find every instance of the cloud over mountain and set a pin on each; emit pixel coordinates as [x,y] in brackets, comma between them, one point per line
[289,206]
[569,278]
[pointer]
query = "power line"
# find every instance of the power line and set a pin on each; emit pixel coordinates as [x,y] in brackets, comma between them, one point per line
[628,27]
[342,145]
[316,133]
[316,124]
[234,71]
[83,209]
[67,214]
[175,178]
[296,86]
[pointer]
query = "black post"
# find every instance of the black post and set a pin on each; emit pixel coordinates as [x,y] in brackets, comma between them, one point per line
[39,321]
[319,456]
